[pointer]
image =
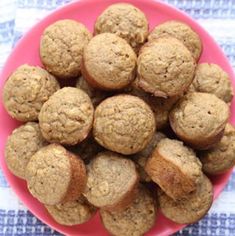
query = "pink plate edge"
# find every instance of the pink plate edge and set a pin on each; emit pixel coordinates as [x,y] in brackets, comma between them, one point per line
[155,4]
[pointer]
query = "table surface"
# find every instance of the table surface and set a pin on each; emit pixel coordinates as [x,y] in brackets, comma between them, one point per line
[216,16]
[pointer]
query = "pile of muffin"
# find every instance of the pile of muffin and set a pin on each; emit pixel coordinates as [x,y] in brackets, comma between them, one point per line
[97,145]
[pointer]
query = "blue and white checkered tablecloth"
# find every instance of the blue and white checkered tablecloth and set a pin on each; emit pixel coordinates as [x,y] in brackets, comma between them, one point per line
[217,16]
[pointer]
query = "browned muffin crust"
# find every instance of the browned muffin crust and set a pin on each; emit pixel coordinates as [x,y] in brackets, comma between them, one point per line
[190,209]
[55,175]
[175,168]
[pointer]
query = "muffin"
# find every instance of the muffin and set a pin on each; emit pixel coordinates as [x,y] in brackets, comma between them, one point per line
[165,67]
[188,210]
[109,62]
[25,91]
[126,21]
[160,106]
[61,48]
[222,156]
[135,220]
[67,116]
[199,119]
[210,78]
[55,175]
[182,32]
[112,181]
[95,95]
[73,212]
[141,158]
[21,145]
[123,124]
[175,168]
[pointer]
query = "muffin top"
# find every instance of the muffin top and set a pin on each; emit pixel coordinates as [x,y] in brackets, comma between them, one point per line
[73,212]
[21,145]
[123,124]
[67,116]
[221,157]
[111,177]
[198,117]
[126,21]
[61,48]
[135,220]
[210,78]
[182,32]
[190,209]
[48,174]
[109,62]
[26,90]
[165,67]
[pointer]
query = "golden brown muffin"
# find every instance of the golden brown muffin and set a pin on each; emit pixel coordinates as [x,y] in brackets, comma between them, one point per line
[123,124]
[61,48]
[165,67]
[55,175]
[199,119]
[135,220]
[73,212]
[190,209]
[141,158]
[221,157]
[182,32]
[26,90]
[210,78]
[95,95]
[21,145]
[175,168]
[126,21]
[109,62]
[112,181]
[67,116]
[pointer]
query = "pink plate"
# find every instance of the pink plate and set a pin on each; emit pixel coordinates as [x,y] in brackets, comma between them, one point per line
[27,51]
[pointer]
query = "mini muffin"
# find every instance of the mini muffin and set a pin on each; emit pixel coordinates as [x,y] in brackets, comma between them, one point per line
[160,106]
[73,212]
[87,149]
[190,209]
[199,119]
[221,157]
[109,62]
[135,220]
[21,145]
[112,181]
[182,32]
[61,48]
[175,168]
[210,78]
[55,175]
[126,21]
[95,95]
[141,157]
[123,124]
[165,67]
[67,116]
[25,91]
